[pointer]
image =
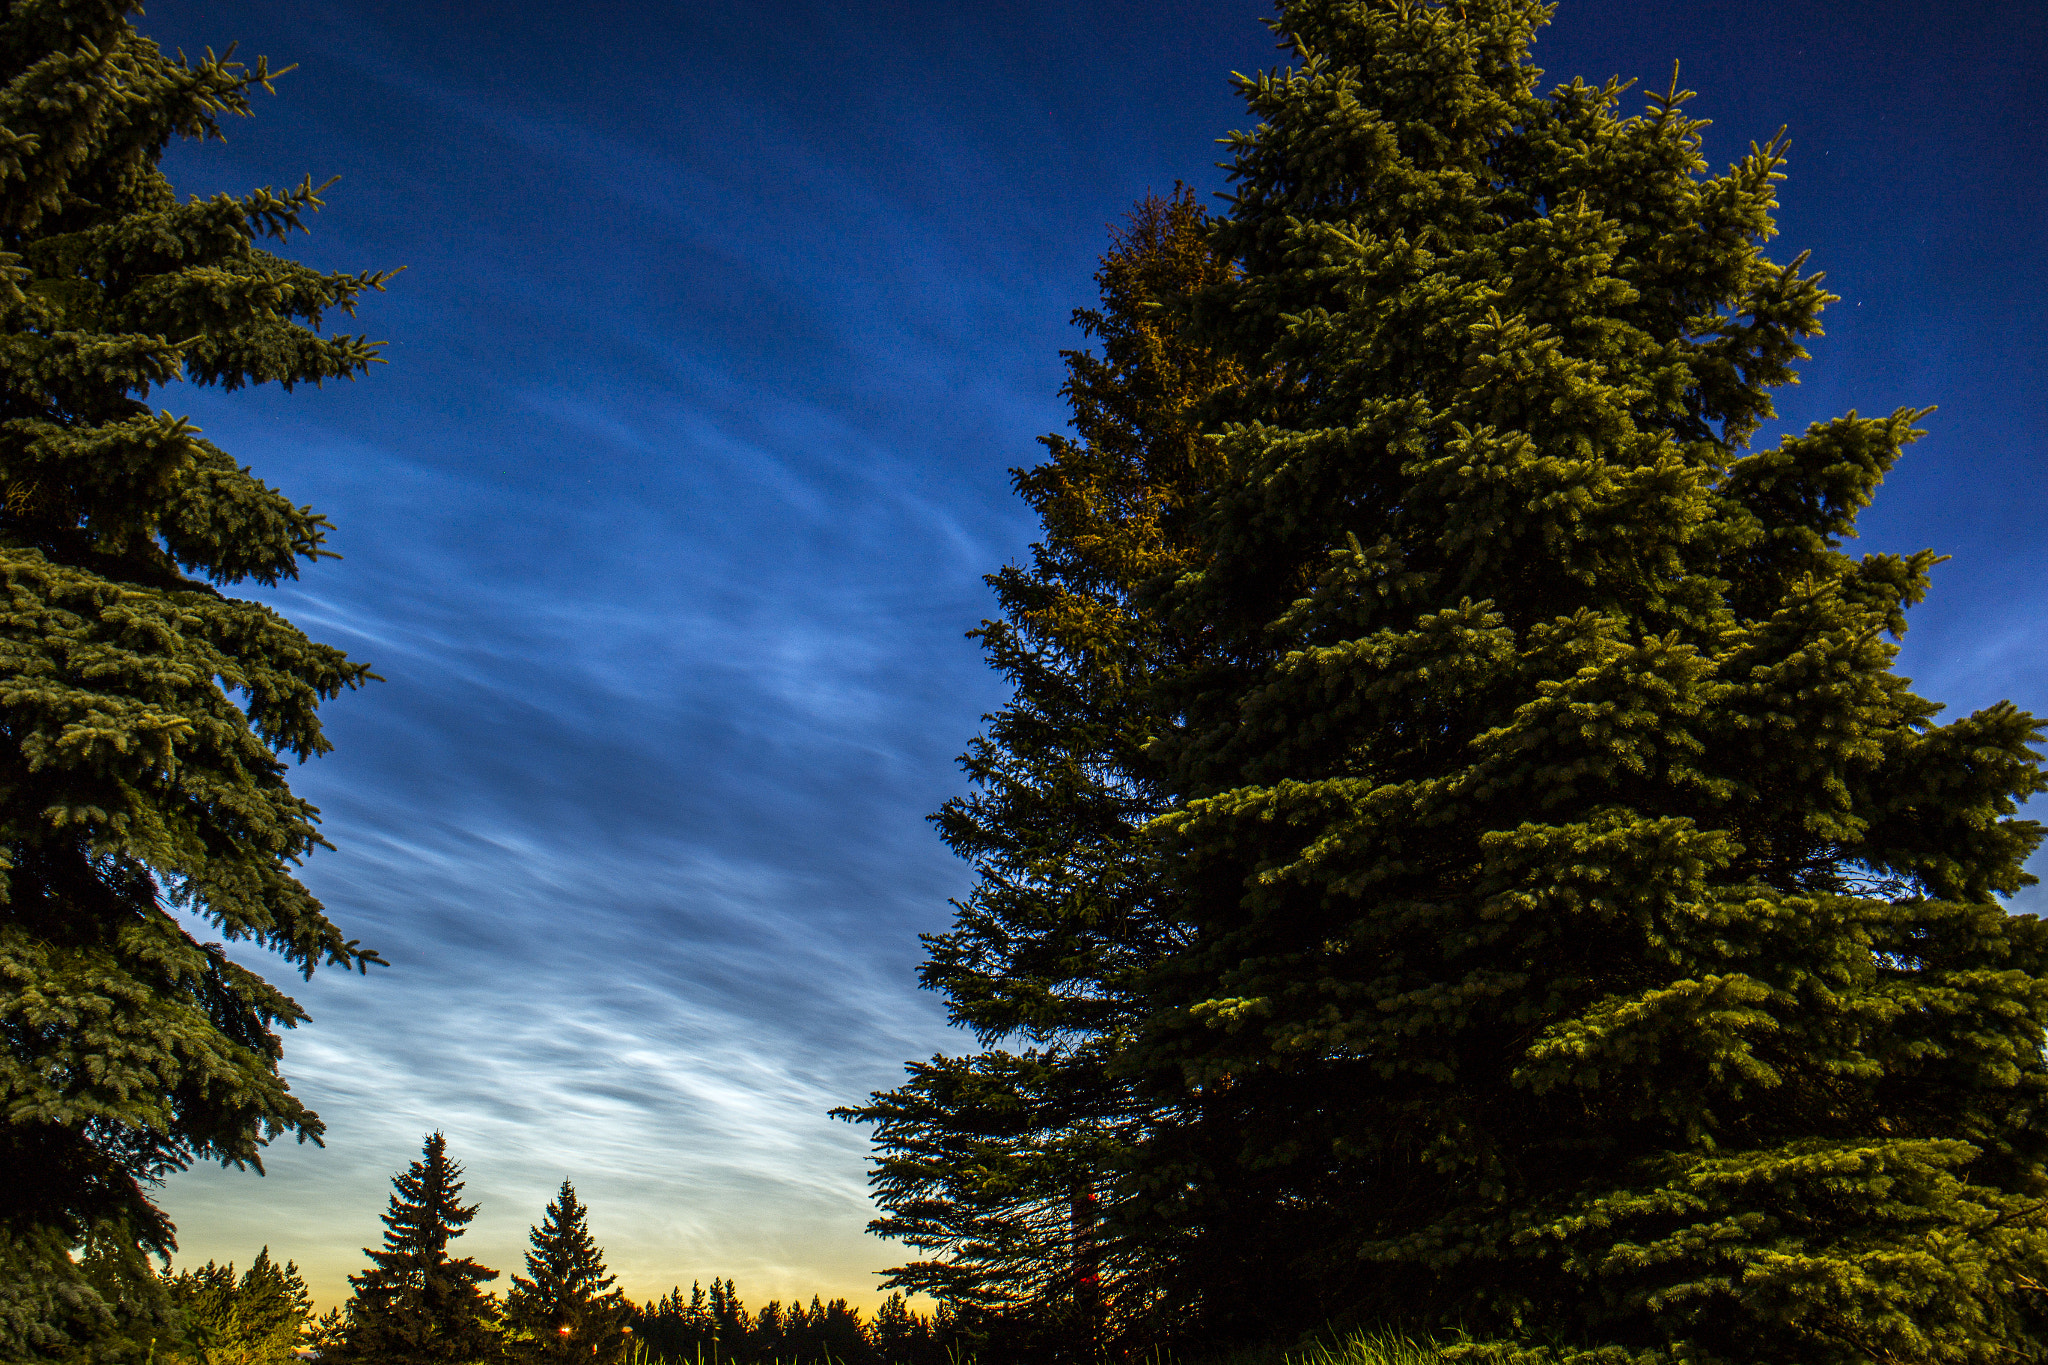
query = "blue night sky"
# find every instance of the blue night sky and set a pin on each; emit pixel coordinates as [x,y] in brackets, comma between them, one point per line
[722,326]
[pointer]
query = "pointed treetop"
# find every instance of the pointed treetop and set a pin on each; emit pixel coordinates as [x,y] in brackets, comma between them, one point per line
[565,1262]
[565,1301]
[426,1211]
[416,1303]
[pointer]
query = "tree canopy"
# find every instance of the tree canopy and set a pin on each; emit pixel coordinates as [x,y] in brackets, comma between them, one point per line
[417,1305]
[566,1303]
[1562,922]
[146,715]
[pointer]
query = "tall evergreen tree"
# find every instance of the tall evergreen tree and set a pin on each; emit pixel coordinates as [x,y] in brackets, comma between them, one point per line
[994,1161]
[417,1305]
[565,1302]
[145,714]
[1588,934]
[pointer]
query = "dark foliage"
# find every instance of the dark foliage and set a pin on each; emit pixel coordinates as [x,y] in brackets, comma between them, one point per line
[565,1303]
[145,714]
[417,1305]
[256,1318]
[1506,886]
[996,1163]
[716,1326]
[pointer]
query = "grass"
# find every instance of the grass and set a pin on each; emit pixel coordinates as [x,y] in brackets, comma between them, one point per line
[1369,1348]
[1358,1348]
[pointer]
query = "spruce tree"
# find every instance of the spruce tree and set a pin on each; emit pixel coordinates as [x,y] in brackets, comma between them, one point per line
[988,1160]
[730,1321]
[565,1302]
[1589,937]
[417,1305]
[145,714]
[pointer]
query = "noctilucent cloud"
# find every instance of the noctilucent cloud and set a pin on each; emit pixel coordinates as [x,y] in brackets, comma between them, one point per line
[721,327]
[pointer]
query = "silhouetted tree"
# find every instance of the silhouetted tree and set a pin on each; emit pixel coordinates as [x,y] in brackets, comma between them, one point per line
[417,1305]
[730,1322]
[565,1302]
[772,1337]
[717,1325]
[900,1336]
[840,1334]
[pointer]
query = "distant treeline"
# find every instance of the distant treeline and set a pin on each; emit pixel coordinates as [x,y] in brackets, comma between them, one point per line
[418,1304]
[264,1316]
[714,1325]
